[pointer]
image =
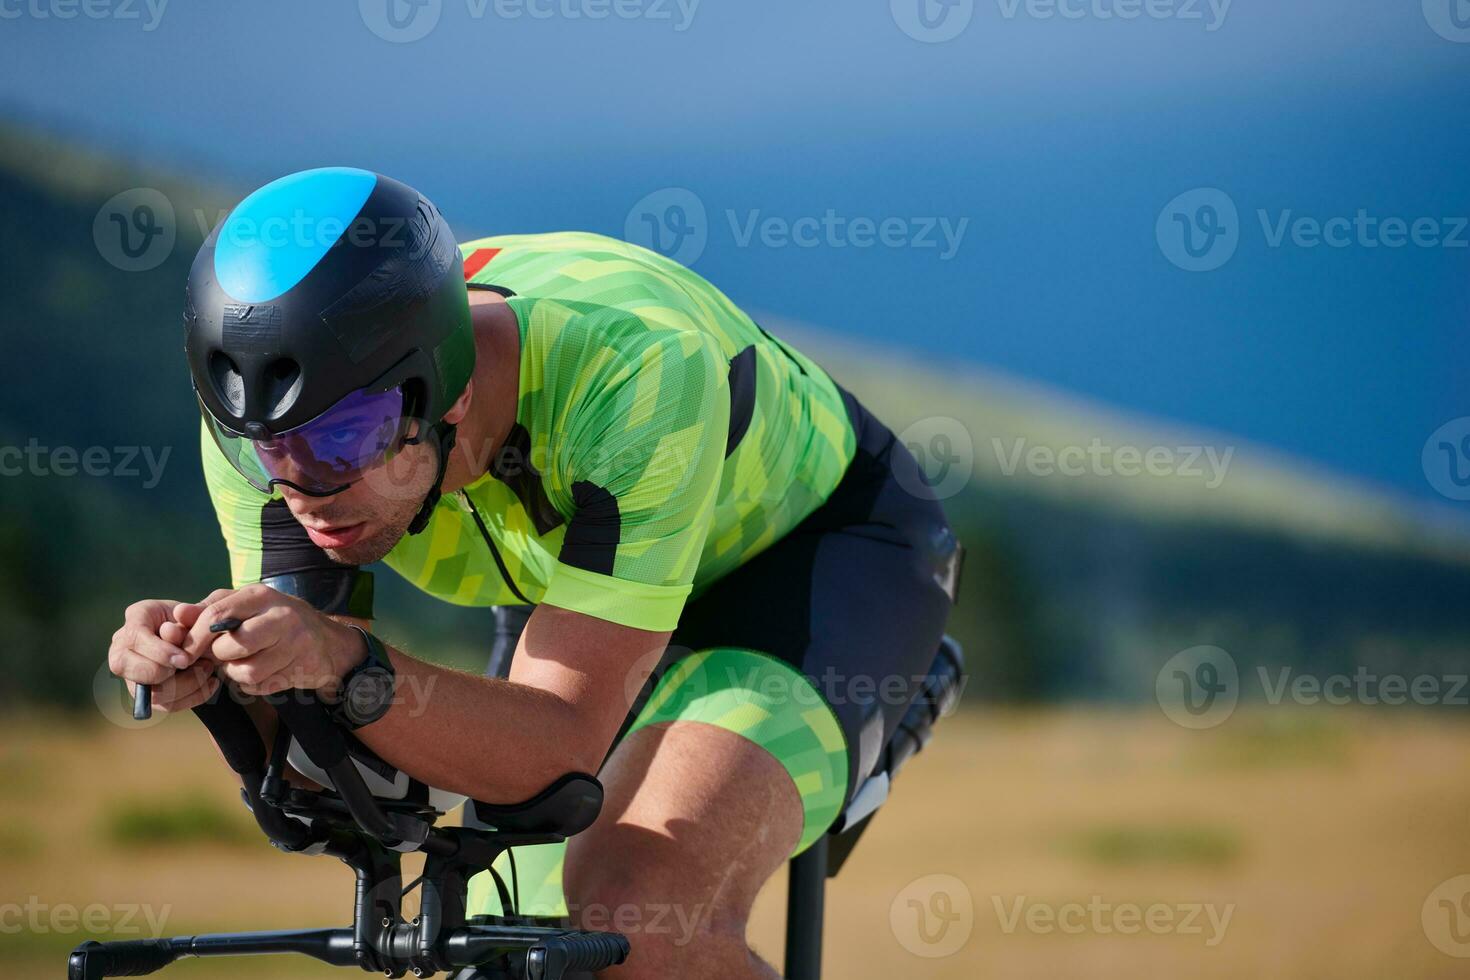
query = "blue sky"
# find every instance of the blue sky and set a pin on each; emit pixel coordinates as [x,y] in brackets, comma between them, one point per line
[1052,143]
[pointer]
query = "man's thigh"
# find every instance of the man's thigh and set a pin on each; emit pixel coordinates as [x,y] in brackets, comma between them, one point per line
[696,818]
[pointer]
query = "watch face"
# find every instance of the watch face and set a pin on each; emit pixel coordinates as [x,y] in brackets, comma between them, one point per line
[369,694]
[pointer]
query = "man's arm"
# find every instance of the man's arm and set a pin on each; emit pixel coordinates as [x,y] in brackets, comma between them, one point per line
[572,682]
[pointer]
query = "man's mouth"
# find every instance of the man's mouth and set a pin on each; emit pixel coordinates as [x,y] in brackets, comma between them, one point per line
[335,537]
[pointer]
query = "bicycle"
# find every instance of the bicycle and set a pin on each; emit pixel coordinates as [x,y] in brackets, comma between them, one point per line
[370,835]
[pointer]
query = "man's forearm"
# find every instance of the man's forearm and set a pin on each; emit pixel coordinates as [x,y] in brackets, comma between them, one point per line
[491,739]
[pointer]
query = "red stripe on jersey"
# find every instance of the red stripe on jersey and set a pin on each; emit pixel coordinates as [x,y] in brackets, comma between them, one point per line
[478,259]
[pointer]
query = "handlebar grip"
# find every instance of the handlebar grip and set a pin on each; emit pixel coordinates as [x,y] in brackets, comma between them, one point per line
[587,951]
[230,726]
[306,716]
[133,958]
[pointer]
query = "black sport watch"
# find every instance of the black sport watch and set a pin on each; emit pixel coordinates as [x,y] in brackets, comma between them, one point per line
[367,690]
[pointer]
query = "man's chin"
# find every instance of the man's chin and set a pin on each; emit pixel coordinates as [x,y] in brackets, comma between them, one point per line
[367,550]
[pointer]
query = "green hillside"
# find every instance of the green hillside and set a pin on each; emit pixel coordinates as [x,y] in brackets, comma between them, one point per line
[1076,586]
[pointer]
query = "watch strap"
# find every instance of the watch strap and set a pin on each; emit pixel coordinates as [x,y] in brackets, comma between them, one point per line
[376,660]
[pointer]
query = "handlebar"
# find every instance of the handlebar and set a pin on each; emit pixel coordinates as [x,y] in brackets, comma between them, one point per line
[588,951]
[547,954]
[379,940]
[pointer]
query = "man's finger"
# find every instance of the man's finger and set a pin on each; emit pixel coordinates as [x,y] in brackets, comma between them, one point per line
[141,670]
[148,613]
[138,641]
[240,604]
[260,667]
[187,613]
[172,633]
[186,690]
[264,629]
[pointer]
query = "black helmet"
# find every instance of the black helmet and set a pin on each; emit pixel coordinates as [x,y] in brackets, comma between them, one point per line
[322,285]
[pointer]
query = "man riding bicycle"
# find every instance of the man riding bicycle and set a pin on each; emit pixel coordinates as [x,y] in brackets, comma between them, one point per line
[727,556]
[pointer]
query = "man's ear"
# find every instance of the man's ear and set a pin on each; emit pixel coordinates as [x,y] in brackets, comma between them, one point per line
[461,406]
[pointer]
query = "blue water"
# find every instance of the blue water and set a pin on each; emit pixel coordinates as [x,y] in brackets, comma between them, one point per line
[1057,141]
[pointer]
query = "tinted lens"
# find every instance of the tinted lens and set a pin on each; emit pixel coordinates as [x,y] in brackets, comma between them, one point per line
[326,454]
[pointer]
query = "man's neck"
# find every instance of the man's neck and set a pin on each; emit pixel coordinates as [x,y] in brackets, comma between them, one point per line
[492,410]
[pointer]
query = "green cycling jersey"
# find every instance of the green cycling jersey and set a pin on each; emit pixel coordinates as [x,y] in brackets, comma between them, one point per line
[662,439]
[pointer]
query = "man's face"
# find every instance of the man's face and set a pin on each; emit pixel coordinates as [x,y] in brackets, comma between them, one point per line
[362,523]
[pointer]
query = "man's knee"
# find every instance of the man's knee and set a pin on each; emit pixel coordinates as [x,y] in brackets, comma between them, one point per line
[671,931]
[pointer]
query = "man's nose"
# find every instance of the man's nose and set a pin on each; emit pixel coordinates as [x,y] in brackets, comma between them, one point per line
[302,504]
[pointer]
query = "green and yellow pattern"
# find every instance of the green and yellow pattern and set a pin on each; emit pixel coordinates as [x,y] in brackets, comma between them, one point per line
[624,385]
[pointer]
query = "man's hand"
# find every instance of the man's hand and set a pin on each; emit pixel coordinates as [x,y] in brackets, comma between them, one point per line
[148,649]
[281,644]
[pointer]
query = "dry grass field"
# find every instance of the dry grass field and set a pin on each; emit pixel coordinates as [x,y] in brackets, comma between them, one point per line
[1073,843]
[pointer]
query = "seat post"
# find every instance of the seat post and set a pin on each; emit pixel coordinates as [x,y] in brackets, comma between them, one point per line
[805,896]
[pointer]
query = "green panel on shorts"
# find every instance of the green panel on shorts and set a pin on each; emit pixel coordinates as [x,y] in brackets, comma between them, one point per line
[538,878]
[751,694]
[771,703]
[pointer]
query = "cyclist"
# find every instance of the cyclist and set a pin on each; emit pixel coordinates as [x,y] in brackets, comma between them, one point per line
[733,566]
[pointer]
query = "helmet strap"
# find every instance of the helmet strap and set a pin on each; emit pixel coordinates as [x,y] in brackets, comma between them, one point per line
[444,436]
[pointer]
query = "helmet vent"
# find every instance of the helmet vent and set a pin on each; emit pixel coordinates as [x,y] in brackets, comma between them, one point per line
[280,383]
[228,383]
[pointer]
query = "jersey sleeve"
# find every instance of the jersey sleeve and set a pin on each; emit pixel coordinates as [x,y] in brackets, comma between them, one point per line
[636,458]
[263,539]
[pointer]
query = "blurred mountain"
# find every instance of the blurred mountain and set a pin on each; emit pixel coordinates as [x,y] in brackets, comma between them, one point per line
[1099,543]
